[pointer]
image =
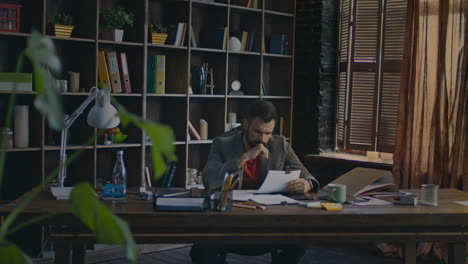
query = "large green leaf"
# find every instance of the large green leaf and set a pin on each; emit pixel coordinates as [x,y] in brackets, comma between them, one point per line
[46,65]
[162,139]
[11,254]
[109,229]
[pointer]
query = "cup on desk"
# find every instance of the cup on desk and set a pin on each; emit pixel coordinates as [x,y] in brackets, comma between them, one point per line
[429,194]
[223,201]
[337,193]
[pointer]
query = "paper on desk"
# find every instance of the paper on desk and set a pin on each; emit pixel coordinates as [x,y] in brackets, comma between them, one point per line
[462,202]
[276,181]
[239,195]
[372,201]
[270,199]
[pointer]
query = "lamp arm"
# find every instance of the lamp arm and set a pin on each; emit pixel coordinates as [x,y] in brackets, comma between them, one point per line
[69,120]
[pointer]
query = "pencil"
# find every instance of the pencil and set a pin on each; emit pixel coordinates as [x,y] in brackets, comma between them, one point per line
[245,206]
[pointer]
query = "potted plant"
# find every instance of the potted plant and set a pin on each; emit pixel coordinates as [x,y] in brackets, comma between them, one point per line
[116,20]
[158,33]
[63,25]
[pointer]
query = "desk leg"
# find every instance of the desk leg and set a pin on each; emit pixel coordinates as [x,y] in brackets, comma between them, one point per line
[62,253]
[79,254]
[409,252]
[457,253]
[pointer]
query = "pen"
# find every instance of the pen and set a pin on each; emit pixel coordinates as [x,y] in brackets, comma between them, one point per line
[258,206]
[175,194]
[245,206]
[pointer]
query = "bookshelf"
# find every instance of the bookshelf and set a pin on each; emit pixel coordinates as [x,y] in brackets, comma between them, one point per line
[261,74]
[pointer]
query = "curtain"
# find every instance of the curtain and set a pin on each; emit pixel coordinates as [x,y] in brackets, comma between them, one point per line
[431,144]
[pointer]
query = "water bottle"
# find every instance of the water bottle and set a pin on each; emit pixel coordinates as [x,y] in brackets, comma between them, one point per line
[119,179]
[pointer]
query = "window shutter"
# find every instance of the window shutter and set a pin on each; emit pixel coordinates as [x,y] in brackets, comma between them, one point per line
[345,21]
[393,40]
[362,108]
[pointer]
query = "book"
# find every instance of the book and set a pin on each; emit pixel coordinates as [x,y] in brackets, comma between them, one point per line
[220,38]
[193,41]
[124,74]
[114,73]
[277,44]
[171,34]
[160,74]
[102,70]
[192,131]
[169,175]
[179,34]
[151,74]
[184,33]
[250,41]
[244,36]
[12,81]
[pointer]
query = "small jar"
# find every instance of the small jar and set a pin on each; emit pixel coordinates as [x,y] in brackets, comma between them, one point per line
[7,135]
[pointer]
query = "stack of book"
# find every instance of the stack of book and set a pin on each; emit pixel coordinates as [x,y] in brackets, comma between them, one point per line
[113,71]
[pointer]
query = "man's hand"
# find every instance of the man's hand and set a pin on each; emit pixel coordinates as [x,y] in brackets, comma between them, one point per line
[298,186]
[259,150]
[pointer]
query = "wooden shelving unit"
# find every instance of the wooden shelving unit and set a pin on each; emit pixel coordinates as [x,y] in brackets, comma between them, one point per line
[254,69]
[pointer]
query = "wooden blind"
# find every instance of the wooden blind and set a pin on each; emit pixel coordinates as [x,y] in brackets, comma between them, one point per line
[368,93]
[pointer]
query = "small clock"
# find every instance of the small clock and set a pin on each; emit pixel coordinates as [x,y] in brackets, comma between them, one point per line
[235,85]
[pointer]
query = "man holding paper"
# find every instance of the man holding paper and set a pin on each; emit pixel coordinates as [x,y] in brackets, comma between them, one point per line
[252,151]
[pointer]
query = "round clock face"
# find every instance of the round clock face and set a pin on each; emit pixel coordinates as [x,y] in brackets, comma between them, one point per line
[235,85]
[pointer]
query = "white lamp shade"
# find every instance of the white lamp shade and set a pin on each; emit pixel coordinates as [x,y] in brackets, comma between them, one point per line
[103,114]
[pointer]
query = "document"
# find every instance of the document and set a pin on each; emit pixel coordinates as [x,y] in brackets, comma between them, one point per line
[276,181]
[271,199]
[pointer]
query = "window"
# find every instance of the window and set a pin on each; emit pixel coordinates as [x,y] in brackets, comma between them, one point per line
[372,34]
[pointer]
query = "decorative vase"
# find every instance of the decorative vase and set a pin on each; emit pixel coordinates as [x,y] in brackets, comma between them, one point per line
[63,30]
[198,80]
[234,44]
[158,38]
[117,35]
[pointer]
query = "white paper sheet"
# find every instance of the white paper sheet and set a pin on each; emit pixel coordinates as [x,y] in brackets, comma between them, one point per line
[271,199]
[239,195]
[372,201]
[462,202]
[276,181]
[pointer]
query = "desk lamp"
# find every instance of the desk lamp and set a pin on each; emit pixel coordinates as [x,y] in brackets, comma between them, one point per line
[102,115]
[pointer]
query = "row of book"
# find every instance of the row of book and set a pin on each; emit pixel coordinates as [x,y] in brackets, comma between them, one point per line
[113,71]
[246,39]
[156,74]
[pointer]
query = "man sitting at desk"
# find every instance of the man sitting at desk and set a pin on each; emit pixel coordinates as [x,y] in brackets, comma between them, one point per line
[253,151]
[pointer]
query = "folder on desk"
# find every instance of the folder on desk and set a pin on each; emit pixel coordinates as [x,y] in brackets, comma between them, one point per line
[361,181]
[193,204]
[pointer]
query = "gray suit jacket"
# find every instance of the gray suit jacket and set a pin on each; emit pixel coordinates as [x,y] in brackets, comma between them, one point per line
[227,148]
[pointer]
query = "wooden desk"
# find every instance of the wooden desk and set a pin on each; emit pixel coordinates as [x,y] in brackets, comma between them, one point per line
[292,224]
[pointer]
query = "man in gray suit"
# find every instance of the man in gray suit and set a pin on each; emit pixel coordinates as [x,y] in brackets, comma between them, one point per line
[252,151]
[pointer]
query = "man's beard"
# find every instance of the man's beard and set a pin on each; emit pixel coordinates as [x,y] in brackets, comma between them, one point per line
[252,143]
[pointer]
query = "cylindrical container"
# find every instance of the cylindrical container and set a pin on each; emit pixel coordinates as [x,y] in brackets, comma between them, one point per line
[119,179]
[7,135]
[429,194]
[74,81]
[21,126]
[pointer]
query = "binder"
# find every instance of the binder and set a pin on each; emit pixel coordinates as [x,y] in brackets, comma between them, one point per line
[102,70]
[160,74]
[114,73]
[124,75]
[151,74]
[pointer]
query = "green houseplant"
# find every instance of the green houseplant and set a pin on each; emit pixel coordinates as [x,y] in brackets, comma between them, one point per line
[63,25]
[84,204]
[116,20]
[158,33]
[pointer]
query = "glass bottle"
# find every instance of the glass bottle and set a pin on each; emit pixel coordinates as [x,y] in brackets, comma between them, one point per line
[119,179]
[7,135]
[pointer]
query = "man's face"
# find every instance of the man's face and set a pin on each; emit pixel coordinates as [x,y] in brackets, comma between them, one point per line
[258,131]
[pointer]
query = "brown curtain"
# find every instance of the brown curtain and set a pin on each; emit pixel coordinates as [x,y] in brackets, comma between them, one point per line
[432,134]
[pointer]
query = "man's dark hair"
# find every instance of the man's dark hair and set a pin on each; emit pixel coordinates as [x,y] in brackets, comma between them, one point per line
[262,109]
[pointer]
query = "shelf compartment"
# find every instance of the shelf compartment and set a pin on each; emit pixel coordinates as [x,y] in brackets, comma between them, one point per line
[135,66]
[79,170]
[106,160]
[277,76]
[132,105]
[21,173]
[83,14]
[250,22]
[31,16]
[175,70]
[216,61]
[246,70]
[280,6]
[207,25]
[239,106]
[78,57]
[168,13]
[277,26]
[179,175]
[211,111]
[198,154]
[134,34]
[169,111]
[11,47]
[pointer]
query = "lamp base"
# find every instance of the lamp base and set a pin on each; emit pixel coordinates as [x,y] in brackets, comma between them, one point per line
[61,193]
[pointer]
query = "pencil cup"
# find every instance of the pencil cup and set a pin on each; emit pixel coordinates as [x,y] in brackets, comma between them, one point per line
[429,194]
[223,201]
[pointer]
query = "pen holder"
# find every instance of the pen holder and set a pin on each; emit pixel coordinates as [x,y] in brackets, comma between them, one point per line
[223,201]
